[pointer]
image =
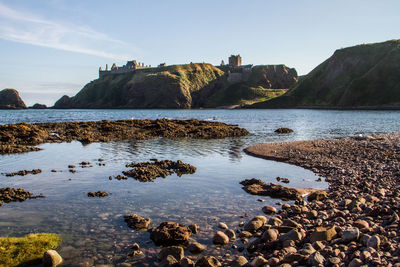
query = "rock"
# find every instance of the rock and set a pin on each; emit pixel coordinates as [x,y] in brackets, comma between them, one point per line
[293,257]
[307,249]
[258,261]
[231,234]
[169,261]
[291,235]
[323,234]
[208,261]
[38,106]
[355,263]
[222,225]
[269,210]
[220,238]
[170,234]
[186,262]
[374,242]
[316,259]
[97,194]
[52,259]
[135,246]
[255,223]
[270,235]
[274,221]
[10,99]
[196,247]
[258,187]
[136,222]
[239,262]
[136,254]
[318,196]
[361,224]
[350,234]
[273,261]
[194,228]
[291,223]
[283,180]
[175,251]
[283,130]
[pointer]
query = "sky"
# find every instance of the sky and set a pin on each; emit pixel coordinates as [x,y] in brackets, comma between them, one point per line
[49,48]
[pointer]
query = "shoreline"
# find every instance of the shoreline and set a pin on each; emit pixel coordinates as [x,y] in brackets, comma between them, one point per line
[358,223]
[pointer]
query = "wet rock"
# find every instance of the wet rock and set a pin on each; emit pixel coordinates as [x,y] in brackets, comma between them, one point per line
[169,261]
[175,251]
[239,262]
[208,261]
[283,130]
[258,187]
[270,235]
[8,195]
[283,180]
[148,171]
[170,234]
[323,234]
[316,259]
[318,196]
[186,262]
[196,248]
[269,210]
[97,194]
[136,222]
[350,234]
[194,228]
[136,254]
[231,234]
[274,221]
[220,238]
[135,246]
[52,259]
[374,242]
[293,235]
[255,223]
[258,261]
[222,225]
[23,172]
[361,224]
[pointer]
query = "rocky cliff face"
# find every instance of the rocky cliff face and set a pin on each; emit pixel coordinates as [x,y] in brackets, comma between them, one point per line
[10,99]
[179,87]
[359,76]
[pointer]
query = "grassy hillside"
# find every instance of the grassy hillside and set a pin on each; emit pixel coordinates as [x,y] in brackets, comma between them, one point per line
[181,86]
[359,76]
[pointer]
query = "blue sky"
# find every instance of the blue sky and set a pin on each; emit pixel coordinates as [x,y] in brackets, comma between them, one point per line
[54,47]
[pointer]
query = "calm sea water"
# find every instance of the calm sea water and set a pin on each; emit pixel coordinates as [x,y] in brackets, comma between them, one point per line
[93,229]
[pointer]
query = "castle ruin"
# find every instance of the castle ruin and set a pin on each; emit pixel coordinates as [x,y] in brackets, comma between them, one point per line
[235,61]
[128,67]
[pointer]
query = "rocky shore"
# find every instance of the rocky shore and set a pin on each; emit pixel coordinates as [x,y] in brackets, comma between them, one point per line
[23,137]
[355,224]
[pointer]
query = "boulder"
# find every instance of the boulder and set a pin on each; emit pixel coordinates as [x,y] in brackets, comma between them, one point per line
[220,238]
[208,261]
[196,247]
[255,223]
[318,196]
[374,242]
[293,235]
[239,262]
[350,234]
[170,234]
[175,251]
[186,262]
[323,234]
[269,210]
[136,222]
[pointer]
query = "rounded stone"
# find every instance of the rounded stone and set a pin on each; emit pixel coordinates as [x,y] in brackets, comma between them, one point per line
[220,238]
[51,258]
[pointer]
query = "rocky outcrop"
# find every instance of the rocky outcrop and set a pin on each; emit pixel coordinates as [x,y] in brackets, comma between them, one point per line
[38,106]
[18,138]
[363,76]
[10,99]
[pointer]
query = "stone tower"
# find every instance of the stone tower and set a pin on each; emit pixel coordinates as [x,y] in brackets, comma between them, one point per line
[235,60]
[222,63]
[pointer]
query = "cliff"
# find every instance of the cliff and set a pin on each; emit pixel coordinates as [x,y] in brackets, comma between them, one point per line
[363,76]
[181,87]
[167,87]
[10,99]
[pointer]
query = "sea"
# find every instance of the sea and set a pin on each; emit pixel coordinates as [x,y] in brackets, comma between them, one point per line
[93,230]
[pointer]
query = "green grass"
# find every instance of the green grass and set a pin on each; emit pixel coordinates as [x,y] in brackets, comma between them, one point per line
[22,251]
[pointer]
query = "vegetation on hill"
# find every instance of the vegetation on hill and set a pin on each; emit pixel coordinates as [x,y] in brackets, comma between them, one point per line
[361,76]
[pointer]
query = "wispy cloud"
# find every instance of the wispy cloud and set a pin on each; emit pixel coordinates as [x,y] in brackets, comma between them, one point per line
[24,27]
